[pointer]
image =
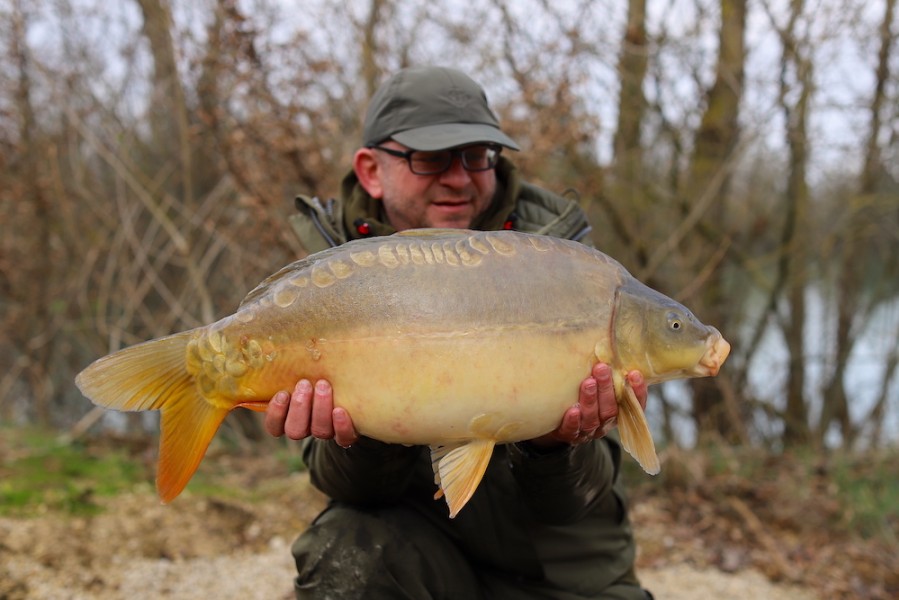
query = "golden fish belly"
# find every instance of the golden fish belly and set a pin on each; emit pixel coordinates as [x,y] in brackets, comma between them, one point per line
[439,388]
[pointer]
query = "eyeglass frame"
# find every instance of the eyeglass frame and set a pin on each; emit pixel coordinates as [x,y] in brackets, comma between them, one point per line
[454,153]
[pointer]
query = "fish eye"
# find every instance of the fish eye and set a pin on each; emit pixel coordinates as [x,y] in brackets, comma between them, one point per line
[675,322]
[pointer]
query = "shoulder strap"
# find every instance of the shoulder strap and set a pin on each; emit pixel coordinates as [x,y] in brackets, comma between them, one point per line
[546,213]
[318,225]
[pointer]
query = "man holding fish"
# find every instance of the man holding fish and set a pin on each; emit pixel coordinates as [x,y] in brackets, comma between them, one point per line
[548,520]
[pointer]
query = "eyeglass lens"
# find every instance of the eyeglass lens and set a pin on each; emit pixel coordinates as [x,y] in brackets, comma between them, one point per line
[474,158]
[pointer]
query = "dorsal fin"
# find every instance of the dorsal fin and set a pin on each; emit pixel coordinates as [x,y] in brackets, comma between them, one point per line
[435,232]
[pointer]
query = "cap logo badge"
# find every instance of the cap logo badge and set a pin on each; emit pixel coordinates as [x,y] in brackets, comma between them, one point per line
[458,98]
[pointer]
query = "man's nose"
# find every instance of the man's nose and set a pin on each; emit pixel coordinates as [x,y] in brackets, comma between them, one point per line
[456,175]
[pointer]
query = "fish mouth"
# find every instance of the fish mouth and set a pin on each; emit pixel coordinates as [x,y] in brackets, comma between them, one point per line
[717,351]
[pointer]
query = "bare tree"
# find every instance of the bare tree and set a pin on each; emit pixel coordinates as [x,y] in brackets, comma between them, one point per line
[29,265]
[145,181]
[795,93]
[632,65]
[863,274]
[629,191]
[704,201]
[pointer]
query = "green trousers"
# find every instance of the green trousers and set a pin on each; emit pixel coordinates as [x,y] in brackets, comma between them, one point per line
[396,553]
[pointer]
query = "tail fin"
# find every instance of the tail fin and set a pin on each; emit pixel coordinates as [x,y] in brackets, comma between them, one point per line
[634,432]
[153,376]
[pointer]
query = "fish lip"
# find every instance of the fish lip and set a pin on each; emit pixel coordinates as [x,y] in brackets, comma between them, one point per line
[717,351]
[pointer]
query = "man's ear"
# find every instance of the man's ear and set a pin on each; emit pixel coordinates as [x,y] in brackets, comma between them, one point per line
[368,172]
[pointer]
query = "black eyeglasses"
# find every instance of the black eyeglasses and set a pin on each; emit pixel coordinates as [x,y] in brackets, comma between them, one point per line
[482,157]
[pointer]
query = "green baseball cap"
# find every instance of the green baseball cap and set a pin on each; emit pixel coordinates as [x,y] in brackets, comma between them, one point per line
[432,108]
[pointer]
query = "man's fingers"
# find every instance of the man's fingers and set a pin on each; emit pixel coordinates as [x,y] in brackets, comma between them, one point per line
[344,433]
[322,425]
[607,405]
[276,413]
[571,425]
[587,401]
[297,424]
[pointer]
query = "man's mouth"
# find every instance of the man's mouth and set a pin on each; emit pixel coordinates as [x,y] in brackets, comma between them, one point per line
[451,205]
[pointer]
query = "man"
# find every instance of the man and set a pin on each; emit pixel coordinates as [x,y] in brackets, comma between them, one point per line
[548,520]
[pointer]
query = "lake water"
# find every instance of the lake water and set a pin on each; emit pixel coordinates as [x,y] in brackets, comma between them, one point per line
[768,372]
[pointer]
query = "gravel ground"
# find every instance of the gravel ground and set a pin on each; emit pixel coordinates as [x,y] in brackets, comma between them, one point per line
[200,548]
[237,546]
[267,575]
[701,532]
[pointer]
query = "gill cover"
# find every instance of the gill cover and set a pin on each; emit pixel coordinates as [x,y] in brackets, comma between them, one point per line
[657,335]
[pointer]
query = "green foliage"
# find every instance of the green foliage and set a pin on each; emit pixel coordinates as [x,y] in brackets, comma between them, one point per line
[868,489]
[41,473]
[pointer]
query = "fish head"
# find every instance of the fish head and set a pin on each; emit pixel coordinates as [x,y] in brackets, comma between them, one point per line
[662,338]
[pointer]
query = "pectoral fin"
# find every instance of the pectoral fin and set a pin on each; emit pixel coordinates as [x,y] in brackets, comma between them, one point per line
[634,430]
[458,469]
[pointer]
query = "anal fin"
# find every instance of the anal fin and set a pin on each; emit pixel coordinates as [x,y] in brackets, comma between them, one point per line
[458,470]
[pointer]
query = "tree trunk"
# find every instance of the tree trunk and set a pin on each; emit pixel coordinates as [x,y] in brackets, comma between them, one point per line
[169,120]
[35,270]
[795,81]
[632,65]
[626,200]
[371,73]
[713,157]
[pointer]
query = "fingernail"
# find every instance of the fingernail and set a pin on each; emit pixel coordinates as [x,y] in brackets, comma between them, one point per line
[322,386]
[303,386]
[590,387]
[281,398]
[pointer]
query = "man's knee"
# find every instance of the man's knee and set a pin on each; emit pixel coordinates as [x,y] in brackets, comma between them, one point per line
[355,553]
[339,553]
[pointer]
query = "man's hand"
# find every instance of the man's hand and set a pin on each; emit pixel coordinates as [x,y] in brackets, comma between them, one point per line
[596,412]
[309,411]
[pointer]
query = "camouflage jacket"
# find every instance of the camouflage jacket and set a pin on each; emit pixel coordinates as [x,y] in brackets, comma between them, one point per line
[558,517]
